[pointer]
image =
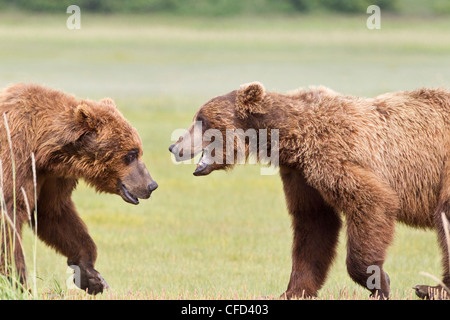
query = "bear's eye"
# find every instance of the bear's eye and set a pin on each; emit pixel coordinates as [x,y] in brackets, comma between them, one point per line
[131,156]
[203,121]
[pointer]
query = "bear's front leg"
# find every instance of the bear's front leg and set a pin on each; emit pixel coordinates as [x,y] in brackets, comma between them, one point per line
[316,229]
[87,278]
[60,226]
[69,237]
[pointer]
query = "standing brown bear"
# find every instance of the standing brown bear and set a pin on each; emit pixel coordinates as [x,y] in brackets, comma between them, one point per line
[377,161]
[69,139]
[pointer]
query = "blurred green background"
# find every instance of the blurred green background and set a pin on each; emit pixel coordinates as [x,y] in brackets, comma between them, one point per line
[225,235]
[230,7]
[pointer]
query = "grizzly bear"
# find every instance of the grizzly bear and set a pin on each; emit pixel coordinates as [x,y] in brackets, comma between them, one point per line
[57,139]
[373,160]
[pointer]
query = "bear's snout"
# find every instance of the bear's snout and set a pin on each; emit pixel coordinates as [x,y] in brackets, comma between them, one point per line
[152,187]
[138,184]
[176,152]
[179,154]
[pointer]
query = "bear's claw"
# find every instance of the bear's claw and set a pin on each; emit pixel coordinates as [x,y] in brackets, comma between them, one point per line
[89,279]
[431,293]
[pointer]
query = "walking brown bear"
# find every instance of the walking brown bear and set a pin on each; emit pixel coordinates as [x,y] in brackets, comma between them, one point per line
[70,139]
[377,161]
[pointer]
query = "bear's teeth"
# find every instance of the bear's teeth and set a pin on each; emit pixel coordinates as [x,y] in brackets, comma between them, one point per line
[202,162]
[201,165]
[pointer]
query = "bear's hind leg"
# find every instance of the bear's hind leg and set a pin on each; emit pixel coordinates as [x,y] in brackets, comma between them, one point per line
[440,291]
[14,267]
[370,207]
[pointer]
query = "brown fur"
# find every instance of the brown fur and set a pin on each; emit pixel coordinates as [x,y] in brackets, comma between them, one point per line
[376,160]
[71,139]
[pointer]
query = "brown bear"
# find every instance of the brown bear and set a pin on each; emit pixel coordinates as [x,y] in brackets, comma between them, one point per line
[375,160]
[67,139]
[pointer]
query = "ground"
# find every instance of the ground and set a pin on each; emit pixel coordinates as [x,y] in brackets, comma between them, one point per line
[235,244]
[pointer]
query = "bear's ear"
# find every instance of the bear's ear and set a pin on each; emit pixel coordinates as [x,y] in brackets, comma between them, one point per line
[249,99]
[86,117]
[109,102]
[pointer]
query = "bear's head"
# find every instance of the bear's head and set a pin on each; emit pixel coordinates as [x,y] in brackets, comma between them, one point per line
[222,129]
[100,146]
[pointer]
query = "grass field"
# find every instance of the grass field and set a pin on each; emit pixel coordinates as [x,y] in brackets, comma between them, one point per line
[225,235]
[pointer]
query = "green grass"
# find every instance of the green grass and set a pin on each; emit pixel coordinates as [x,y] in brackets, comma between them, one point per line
[225,235]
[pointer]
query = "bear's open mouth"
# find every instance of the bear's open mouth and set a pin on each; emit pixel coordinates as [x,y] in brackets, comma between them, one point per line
[203,166]
[127,196]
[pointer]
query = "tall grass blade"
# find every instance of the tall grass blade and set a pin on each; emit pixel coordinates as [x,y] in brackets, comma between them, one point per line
[33,166]
[447,235]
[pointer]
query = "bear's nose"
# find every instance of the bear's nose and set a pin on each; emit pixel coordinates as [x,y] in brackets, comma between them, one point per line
[152,186]
[171,147]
